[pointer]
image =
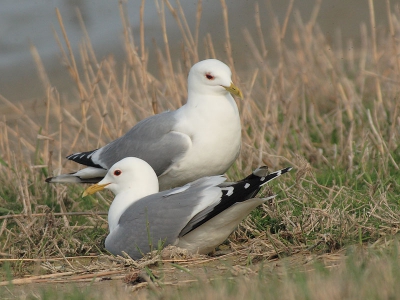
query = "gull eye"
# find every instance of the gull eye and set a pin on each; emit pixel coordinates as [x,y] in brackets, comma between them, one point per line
[209,76]
[117,172]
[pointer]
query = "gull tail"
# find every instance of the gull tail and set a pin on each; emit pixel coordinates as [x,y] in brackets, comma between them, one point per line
[69,178]
[87,175]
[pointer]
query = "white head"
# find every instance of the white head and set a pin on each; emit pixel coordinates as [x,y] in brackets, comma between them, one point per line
[130,179]
[211,77]
[129,174]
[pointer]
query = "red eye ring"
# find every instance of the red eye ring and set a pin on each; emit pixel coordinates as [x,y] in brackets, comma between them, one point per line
[117,172]
[209,76]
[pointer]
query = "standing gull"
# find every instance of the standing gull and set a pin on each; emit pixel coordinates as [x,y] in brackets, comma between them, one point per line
[201,138]
[197,216]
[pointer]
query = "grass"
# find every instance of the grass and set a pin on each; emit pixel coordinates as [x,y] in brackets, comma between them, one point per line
[331,112]
[303,282]
[361,273]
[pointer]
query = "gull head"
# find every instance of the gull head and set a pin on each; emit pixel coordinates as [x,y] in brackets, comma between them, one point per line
[129,174]
[212,77]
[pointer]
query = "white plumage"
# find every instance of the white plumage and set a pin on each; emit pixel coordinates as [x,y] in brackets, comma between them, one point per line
[202,138]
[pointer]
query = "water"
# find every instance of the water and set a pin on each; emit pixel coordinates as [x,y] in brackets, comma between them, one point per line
[23,23]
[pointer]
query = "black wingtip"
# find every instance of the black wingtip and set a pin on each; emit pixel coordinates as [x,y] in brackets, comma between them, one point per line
[84,158]
[264,172]
[280,172]
[48,180]
[285,170]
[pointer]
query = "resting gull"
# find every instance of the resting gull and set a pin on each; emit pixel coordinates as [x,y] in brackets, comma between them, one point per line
[201,138]
[197,216]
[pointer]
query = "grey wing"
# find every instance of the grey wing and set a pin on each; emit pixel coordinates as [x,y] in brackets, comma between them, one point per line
[161,217]
[152,139]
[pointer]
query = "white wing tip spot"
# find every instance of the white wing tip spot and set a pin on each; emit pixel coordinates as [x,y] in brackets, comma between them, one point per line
[246,185]
[229,190]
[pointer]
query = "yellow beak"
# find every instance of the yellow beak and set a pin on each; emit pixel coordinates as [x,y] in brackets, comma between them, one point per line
[94,188]
[234,90]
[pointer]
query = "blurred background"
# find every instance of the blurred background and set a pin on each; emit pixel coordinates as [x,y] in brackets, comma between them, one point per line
[25,23]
